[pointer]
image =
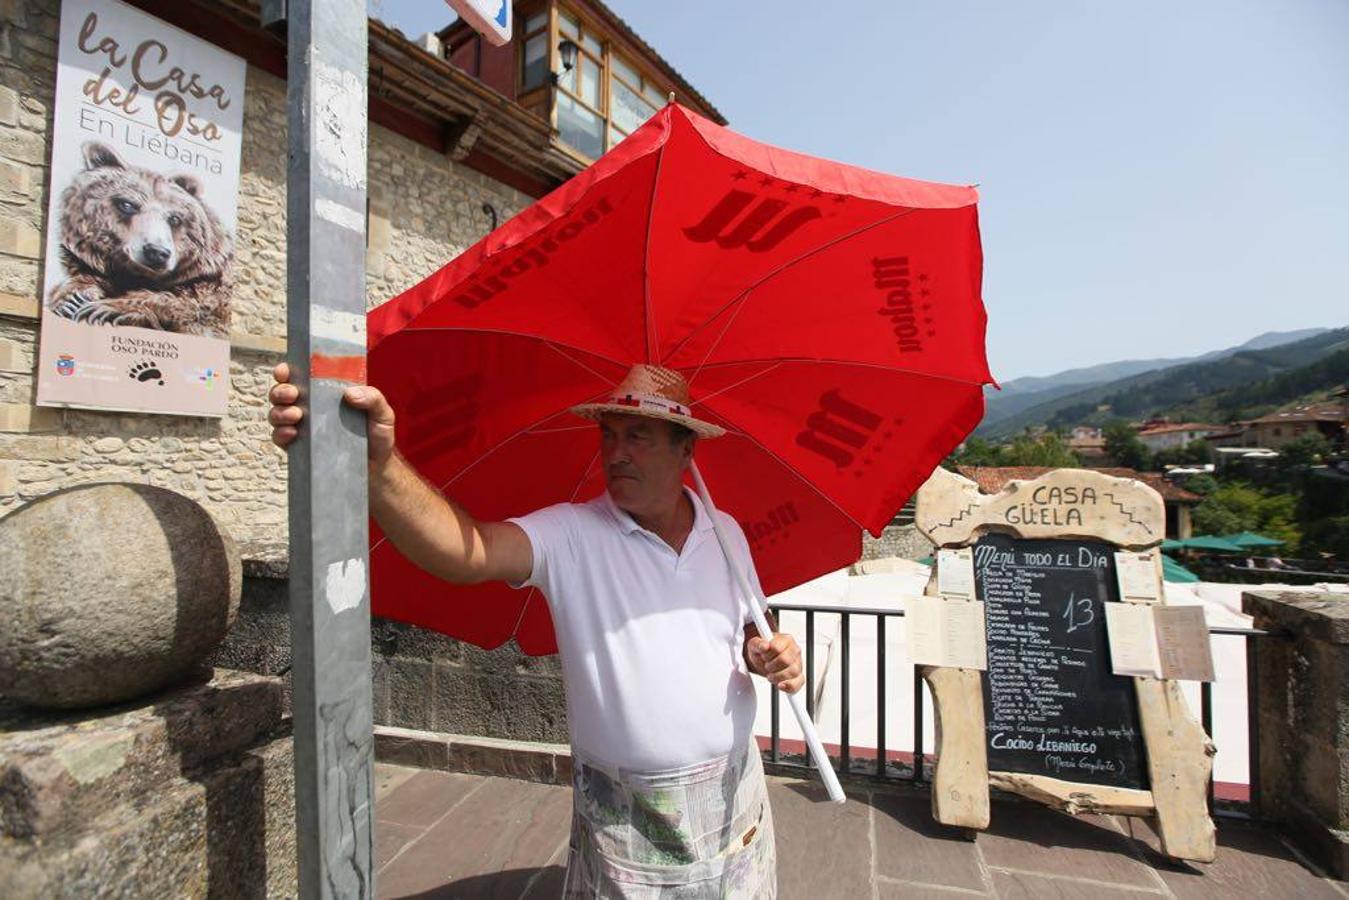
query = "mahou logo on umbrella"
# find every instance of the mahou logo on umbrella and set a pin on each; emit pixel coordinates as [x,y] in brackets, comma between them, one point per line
[911,323]
[763,228]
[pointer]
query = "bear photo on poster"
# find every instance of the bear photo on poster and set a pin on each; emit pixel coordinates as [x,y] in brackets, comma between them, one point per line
[141,248]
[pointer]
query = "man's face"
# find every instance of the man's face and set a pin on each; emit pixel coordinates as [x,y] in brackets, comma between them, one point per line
[643,461]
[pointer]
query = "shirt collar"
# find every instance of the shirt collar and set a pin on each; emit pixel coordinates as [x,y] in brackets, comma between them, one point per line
[701,520]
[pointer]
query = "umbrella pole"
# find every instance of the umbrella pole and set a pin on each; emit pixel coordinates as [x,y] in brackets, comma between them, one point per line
[756,603]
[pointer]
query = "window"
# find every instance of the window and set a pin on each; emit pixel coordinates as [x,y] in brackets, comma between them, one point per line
[632,99]
[602,99]
[534,59]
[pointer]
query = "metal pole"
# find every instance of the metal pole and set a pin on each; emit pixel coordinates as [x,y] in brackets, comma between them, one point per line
[325,319]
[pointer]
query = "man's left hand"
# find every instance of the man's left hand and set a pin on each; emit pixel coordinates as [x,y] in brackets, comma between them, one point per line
[777,659]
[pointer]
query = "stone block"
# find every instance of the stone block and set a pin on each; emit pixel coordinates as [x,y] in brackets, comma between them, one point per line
[19,238]
[1301,698]
[39,448]
[58,769]
[22,146]
[9,106]
[15,178]
[1321,616]
[504,759]
[162,575]
[22,418]
[227,831]
[516,707]
[20,307]
[411,747]
[12,357]
[398,639]
[411,693]
[9,482]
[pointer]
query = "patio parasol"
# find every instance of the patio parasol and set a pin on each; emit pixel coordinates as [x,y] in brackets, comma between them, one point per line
[827,316]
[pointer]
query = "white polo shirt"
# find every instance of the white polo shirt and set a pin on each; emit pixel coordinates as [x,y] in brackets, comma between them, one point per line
[650,640]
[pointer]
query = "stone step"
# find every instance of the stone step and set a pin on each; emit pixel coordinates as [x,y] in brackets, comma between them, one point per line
[525,760]
[55,768]
[230,833]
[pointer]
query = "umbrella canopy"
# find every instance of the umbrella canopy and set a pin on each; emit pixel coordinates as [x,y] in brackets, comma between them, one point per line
[1211,542]
[1248,540]
[1171,544]
[828,317]
[1174,571]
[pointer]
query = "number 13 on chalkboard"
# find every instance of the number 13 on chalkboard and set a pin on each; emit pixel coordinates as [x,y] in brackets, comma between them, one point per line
[1078,613]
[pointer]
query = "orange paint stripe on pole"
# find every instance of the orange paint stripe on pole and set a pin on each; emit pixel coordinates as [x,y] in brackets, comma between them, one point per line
[339,368]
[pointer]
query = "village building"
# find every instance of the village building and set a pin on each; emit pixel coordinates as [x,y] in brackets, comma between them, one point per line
[1089,444]
[1280,428]
[1174,435]
[463,136]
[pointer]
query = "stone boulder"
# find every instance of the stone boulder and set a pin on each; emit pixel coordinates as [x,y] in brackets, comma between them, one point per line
[110,591]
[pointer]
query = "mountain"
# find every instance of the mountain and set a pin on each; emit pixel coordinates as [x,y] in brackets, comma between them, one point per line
[1147,393]
[1302,386]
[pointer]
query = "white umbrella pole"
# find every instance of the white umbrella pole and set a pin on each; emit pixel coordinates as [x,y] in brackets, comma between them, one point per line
[756,603]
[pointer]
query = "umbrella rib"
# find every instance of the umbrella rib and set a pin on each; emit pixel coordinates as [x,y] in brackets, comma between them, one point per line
[649,324]
[533,591]
[790,468]
[520,334]
[558,350]
[731,387]
[715,344]
[743,295]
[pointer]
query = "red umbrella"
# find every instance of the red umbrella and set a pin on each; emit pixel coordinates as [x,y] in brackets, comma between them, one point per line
[827,316]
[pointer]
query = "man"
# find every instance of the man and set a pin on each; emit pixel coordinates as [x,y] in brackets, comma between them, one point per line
[669,796]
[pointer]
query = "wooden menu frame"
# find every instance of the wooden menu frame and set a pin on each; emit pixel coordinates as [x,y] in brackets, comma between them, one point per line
[1068,504]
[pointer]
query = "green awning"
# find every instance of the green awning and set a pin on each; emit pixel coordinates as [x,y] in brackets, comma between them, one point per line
[1174,571]
[1173,545]
[1249,540]
[1212,542]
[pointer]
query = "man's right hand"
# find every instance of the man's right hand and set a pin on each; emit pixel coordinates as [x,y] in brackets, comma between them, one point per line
[285,415]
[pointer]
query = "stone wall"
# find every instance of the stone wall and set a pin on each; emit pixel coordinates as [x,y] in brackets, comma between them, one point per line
[422,680]
[1300,681]
[903,541]
[424,209]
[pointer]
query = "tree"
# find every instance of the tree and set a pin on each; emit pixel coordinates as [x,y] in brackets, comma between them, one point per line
[1192,453]
[1124,447]
[1046,450]
[1304,451]
[1026,449]
[1329,535]
[1239,507]
[976,452]
[1203,485]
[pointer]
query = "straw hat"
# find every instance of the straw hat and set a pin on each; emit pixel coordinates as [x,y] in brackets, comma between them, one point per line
[651,391]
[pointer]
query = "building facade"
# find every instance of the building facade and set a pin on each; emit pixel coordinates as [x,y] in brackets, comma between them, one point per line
[454,150]
[1173,436]
[452,153]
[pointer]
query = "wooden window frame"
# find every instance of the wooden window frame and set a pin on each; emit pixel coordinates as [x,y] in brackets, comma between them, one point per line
[609,46]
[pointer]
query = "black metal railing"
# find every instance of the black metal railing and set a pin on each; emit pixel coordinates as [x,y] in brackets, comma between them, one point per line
[916,772]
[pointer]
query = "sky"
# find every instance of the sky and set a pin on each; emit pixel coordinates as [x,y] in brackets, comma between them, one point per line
[1156,179]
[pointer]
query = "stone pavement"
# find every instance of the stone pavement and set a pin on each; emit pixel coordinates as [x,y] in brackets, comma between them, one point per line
[443,834]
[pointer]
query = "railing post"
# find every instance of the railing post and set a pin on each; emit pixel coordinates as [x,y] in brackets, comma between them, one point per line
[880,695]
[845,752]
[776,732]
[917,725]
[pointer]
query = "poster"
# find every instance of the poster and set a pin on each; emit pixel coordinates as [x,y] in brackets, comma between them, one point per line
[138,276]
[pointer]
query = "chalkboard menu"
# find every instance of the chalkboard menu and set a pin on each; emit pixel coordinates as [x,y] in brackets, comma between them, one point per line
[1051,704]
